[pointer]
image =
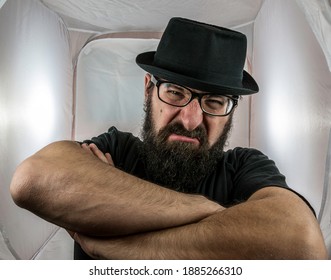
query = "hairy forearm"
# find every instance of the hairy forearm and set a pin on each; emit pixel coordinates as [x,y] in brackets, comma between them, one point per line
[261,228]
[73,189]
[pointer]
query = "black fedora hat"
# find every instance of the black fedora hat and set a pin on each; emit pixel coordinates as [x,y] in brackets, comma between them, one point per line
[201,56]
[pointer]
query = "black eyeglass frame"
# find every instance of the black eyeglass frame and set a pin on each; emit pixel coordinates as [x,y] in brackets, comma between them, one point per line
[157,82]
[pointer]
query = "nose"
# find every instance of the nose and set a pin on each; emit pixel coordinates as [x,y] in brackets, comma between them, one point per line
[191,115]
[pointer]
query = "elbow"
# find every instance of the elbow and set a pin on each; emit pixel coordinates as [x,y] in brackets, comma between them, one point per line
[23,183]
[316,248]
[310,243]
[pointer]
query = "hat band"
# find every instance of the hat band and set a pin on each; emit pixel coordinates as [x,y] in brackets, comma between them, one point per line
[203,76]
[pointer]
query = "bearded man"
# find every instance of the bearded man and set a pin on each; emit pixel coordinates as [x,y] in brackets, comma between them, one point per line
[176,194]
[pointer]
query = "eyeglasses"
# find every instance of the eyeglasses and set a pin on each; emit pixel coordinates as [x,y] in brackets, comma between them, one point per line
[180,96]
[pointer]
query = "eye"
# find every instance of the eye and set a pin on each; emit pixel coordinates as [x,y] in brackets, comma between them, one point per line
[215,101]
[175,92]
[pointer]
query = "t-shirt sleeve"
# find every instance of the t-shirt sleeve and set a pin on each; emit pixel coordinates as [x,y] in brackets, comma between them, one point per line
[252,171]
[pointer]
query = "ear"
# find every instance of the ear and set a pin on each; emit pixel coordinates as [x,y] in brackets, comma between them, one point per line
[147,81]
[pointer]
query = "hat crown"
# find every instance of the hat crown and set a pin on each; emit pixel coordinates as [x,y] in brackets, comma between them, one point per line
[202,51]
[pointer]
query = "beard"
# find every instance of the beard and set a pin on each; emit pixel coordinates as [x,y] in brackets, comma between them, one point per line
[176,165]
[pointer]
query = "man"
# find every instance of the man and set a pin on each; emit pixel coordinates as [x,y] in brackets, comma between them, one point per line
[176,194]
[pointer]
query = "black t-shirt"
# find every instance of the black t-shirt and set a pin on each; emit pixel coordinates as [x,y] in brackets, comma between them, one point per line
[239,173]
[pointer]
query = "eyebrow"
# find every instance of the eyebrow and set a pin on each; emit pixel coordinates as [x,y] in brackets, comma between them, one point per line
[197,92]
[184,87]
[175,85]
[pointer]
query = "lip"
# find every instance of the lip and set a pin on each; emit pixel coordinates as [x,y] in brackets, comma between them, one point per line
[181,138]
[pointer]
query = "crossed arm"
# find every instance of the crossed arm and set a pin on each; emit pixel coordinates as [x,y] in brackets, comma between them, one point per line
[118,216]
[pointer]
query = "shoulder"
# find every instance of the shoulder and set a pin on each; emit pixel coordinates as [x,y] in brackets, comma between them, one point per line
[250,171]
[122,146]
[114,139]
[250,161]
[239,156]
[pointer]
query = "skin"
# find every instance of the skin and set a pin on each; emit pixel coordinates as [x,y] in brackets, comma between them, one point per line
[118,216]
[191,116]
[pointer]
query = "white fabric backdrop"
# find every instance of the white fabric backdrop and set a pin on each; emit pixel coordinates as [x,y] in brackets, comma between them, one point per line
[150,15]
[2,2]
[291,116]
[318,14]
[35,109]
[109,86]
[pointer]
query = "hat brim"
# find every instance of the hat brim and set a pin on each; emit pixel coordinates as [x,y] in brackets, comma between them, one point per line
[146,62]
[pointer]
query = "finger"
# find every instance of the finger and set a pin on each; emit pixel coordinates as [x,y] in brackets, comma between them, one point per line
[71,233]
[109,159]
[75,236]
[87,244]
[100,155]
[86,148]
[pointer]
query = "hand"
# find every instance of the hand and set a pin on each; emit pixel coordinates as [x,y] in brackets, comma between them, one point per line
[94,150]
[91,245]
[110,248]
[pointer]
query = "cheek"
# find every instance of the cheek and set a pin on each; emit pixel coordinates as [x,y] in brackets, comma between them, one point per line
[215,129]
[163,115]
[159,115]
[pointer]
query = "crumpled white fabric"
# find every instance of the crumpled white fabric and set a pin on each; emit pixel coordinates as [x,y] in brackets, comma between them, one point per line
[318,13]
[35,109]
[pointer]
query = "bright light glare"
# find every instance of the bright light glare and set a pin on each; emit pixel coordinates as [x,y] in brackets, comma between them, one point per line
[279,120]
[40,111]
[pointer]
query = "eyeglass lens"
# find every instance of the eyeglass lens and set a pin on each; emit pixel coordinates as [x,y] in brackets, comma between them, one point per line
[179,96]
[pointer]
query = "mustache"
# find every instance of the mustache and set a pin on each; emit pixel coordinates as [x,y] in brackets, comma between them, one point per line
[176,128]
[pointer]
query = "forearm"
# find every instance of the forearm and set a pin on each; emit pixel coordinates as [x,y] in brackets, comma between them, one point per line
[73,189]
[261,228]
